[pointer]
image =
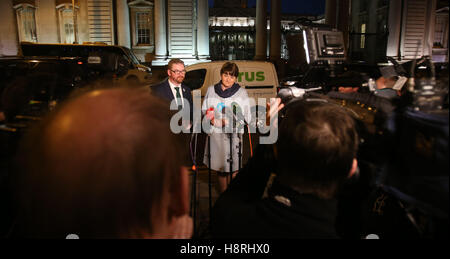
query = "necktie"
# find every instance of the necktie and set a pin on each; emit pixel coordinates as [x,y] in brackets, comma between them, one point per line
[178,96]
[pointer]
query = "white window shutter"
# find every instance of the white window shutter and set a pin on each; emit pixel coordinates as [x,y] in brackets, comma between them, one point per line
[413,36]
[181,28]
[100,21]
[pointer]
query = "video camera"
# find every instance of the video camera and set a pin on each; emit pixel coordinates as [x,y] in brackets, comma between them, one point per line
[324,45]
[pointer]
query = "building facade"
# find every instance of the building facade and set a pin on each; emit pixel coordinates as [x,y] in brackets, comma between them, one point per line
[232,29]
[156,30]
[402,29]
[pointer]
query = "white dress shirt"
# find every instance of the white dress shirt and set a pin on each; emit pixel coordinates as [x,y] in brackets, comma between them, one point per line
[174,92]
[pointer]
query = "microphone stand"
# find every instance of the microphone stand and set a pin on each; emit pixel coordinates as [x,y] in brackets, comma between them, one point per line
[239,135]
[231,157]
[208,138]
[235,123]
[194,194]
[194,186]
[239,152]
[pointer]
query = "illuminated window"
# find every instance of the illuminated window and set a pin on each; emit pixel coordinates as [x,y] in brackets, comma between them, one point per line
[67,23]
[26,22]
[441,30]
[142,28]
[363,37]
[251,22]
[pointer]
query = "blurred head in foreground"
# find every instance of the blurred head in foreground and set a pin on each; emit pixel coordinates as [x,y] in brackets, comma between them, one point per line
[104,165]
[317,148]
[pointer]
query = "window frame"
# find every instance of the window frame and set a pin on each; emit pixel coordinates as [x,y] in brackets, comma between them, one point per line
[19,8]
[140,17]
[61,25]
[141,6]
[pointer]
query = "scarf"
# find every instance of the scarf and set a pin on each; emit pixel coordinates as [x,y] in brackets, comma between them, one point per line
[228,92]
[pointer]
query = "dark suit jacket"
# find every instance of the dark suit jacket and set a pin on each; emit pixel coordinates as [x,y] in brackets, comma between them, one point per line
[240,212]
[163,91]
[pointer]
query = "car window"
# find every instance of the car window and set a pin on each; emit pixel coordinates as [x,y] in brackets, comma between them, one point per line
[194,79]
[45,68]
[133,57]
[68,50]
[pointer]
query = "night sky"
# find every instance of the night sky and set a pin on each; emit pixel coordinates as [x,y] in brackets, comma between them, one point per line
[316,7]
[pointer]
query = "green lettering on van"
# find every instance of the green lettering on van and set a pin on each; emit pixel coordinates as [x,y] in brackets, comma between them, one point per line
[240,76]
[250,76]
[250,79]
[260,76]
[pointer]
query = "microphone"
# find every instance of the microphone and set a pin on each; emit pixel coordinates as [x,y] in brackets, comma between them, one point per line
[232,121]
[286,94]
[210,113]
[237,114]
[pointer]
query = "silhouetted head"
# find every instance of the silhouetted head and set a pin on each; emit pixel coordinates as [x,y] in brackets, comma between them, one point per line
[316,147]
[104,164]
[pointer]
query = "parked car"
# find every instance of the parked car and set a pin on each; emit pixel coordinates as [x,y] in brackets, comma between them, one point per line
[119,61]
[29,86]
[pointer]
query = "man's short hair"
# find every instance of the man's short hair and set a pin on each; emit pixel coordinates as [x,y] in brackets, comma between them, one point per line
[174,61]
[231,68]
[98,177]
[316,146]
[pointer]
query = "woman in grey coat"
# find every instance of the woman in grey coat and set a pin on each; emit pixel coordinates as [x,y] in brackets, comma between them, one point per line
[222,100]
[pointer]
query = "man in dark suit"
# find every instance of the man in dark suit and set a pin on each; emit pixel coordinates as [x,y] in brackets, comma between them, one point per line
[173,88]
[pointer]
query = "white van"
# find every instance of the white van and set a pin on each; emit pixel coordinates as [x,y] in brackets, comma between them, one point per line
[259,78]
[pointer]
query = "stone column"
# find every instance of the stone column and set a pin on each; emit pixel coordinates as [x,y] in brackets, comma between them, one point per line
[430,24]
[275,30]
[8,30]
[48,26]
[202,30]
[394,27]
[123,24]
[261,30]
[160,33]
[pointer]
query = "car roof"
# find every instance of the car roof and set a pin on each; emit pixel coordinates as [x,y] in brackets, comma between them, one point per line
[233,61]
[36,58]
[221,62]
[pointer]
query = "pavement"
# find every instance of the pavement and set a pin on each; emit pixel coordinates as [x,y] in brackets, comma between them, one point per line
[206,186]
